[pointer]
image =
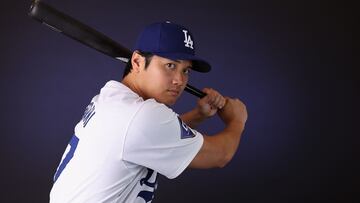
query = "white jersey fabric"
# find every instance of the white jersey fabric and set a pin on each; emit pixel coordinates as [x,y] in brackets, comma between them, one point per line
[119,146]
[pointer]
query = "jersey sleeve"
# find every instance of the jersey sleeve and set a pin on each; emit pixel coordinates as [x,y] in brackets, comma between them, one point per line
[159,140]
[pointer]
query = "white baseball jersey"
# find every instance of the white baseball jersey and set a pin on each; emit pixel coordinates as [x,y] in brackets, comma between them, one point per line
[119,146]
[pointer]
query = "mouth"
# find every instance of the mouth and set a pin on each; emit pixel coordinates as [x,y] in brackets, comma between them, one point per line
[173,92]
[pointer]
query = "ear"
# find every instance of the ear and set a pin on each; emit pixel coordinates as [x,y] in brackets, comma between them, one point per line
[137,62]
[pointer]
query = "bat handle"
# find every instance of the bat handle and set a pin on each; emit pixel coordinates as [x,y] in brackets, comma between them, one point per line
[194,91]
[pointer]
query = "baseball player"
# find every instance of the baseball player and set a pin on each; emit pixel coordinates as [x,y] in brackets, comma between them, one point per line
[129,134]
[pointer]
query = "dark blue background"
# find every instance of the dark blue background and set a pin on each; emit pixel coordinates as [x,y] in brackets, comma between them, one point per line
[291,62]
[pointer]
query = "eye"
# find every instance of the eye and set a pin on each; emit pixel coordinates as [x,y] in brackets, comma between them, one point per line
[170,65]
[186,71]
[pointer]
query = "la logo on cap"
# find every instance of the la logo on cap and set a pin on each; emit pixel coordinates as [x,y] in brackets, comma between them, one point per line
[171,41]
[188,42]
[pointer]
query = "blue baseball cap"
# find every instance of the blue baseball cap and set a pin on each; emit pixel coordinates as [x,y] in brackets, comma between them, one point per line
[172,41]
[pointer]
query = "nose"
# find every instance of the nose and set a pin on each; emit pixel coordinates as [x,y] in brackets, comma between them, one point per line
[179,78]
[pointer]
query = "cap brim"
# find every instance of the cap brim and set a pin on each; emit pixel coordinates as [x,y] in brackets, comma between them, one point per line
[198,64]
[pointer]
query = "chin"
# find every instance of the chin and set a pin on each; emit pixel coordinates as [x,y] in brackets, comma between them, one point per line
[170,101]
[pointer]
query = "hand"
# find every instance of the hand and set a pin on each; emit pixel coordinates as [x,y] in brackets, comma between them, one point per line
[234,111]
[211,103]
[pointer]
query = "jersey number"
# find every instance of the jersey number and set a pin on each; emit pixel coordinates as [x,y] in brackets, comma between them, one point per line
[73,144]
[148,195]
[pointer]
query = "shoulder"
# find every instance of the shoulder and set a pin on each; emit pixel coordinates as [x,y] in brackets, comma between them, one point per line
[152,111]
[116,92]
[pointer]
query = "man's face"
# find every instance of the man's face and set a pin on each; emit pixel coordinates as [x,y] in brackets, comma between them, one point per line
[164,79]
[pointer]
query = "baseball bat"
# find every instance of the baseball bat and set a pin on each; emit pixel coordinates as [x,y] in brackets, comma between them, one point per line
[86,35]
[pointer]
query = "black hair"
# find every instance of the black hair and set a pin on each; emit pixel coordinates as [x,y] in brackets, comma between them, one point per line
[148,56]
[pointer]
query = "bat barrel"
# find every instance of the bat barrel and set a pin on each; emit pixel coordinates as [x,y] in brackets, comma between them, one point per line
[76,30]
[86,35]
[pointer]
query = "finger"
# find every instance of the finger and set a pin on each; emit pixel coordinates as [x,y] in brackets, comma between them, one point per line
[220,102]
[214,98]
[211,100]
[210,97]
[226,101]
[207,90]
[217,101]
[214,101]
[204,101]
[223,102]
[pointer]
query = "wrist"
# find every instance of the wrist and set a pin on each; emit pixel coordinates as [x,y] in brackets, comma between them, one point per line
[192,118]
[198,114]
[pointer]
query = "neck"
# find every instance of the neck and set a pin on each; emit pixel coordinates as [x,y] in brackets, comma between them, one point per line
[129,81]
